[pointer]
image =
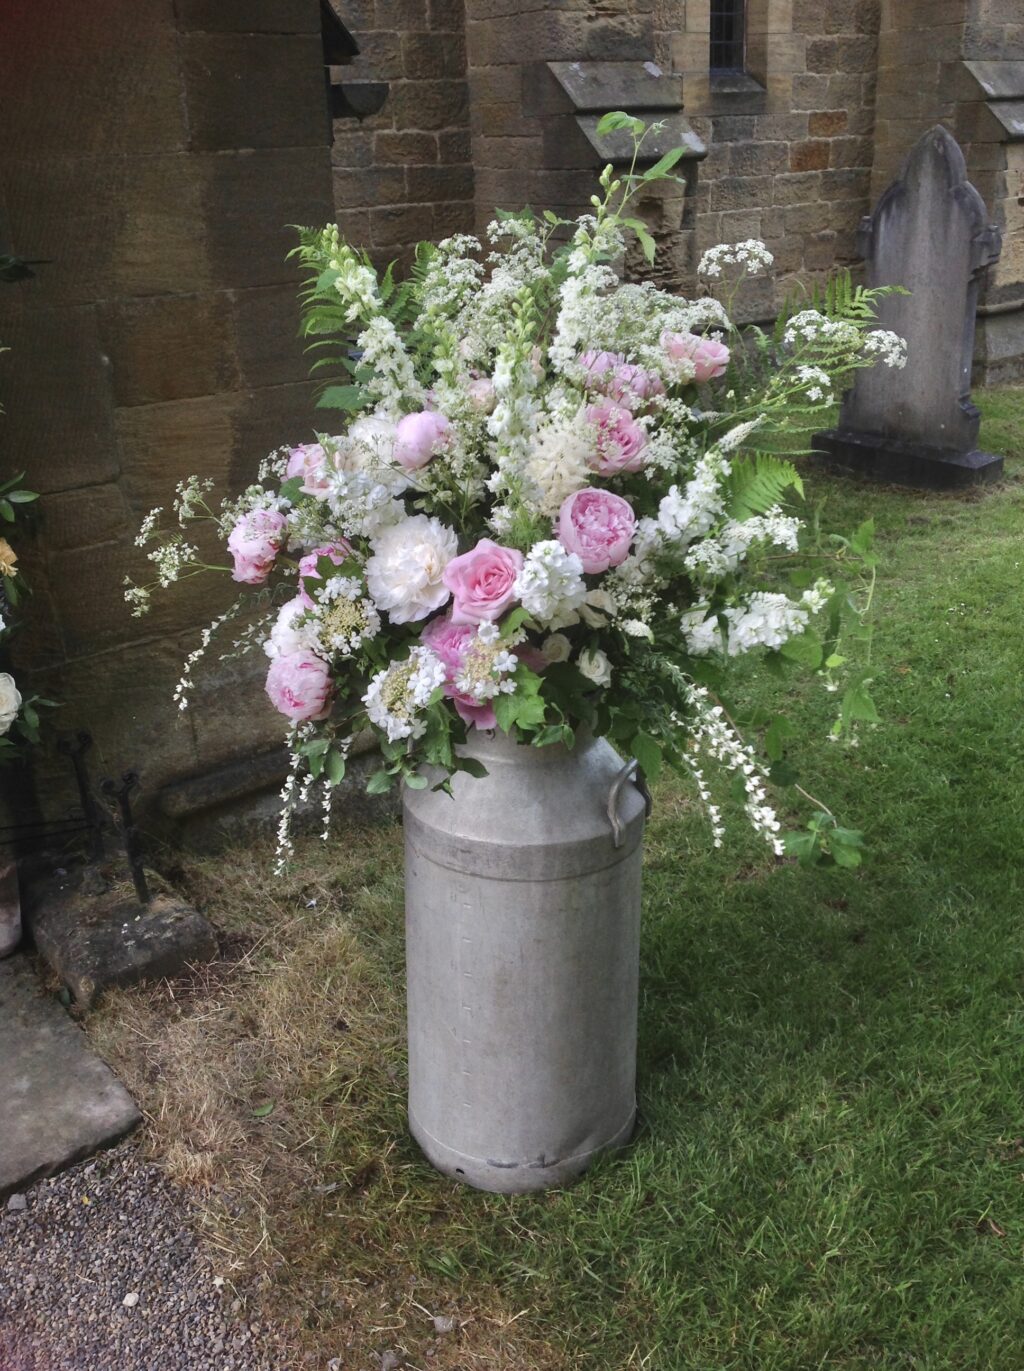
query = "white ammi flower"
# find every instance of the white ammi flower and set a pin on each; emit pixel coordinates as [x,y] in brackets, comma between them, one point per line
[405,572]
[10,701]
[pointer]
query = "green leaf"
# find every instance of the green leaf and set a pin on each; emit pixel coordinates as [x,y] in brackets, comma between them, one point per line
[415,781]
[647,752]
[775,738]
[378,784]
[263,1110]
[472,767]
[858,704]
[335,768]
[7,511]
[664,165]
[514,621]
[806,650]
[618,119]
[22,497]
[341,397]
[506,707]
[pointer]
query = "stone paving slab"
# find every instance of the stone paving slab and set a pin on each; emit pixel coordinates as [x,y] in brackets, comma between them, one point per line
[59,1102]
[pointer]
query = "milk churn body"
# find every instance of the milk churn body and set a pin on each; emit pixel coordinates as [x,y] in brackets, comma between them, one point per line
[522,930]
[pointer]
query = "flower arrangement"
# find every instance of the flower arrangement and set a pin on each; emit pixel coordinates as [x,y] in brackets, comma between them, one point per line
[557,499]
[19,716]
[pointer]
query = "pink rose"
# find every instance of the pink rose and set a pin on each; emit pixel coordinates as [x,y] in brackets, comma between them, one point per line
[597,365]
[482,582]
[598,526]
[254,542]
[628,384]
[311,462]
[709,358]
[299,686]
[418,437]
[620,439]
[307,565]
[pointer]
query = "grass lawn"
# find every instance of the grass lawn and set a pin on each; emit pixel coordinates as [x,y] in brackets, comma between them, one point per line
[829,1171]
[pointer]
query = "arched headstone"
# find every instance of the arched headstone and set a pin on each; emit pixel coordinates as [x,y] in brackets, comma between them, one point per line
[931,233]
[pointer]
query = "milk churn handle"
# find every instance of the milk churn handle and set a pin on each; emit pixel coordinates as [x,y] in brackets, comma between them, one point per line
[631,771]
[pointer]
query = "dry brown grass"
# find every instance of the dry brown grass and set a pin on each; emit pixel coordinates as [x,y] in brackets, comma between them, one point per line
[322,1200]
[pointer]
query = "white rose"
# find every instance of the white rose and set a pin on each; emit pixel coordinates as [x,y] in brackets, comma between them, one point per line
[596,667]
[595,607]
[404,573]
[556,648]
[10,701]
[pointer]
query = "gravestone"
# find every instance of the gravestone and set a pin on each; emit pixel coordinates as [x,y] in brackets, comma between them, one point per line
[916,426]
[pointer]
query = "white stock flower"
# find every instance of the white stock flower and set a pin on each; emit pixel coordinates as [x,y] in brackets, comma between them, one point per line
[595,666]
[550,585]
[10,702]
[404,574]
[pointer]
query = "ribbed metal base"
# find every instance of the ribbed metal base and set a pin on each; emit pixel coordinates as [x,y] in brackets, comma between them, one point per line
[514,1178]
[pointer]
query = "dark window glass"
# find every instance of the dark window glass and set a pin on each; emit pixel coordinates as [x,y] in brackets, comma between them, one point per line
[727,35]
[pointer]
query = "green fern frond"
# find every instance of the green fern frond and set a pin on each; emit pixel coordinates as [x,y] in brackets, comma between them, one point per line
[758,483]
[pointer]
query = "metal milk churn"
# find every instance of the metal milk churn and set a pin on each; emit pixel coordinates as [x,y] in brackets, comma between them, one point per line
[522,938]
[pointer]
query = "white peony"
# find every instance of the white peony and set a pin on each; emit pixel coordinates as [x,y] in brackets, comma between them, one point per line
[10,701]
[287,636]
[404,574]
[595,666]
[373,439]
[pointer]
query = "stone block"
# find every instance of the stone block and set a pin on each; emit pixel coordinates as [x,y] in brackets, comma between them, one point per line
[250,199]
[168,347]
[254,91]
[827,123]
[429,104]
[379,186]
[758,159]
[380,58]
[423,56]
[399,15]
[454,147]
[446,15]
[808,218]
[84,518]
[50,54]
[810,156]
[268,348]
[405,225]
[406,149]
[58,427]
[740,192]
[796,189]
[61,1102]
[248,16]
[434,184]
[161,444]
[276,415]
[354,149]
[452,217]
[91,929]
[851,152]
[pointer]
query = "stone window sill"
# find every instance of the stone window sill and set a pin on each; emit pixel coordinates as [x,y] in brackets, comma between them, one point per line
[736,92]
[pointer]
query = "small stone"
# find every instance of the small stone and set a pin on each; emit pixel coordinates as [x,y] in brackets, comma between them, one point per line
[131,1299]
[16,1203]
[389,1361]
[443,1323]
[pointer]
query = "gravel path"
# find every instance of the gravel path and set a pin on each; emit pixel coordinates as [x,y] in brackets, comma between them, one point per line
[101,1271]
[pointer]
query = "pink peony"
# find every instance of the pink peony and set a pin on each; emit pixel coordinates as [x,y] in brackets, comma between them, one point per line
[709,357]
[299,686]
[597,365]
[451,642]
[307,565]
[628,384]
[311,462]
[419,437]
[482,582]
[254,542]
[620,439]
[598,526]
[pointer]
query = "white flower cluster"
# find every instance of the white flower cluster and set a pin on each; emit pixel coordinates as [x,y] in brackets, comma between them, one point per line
[768,619]
[355,283]
[394,377]
[811,326]
[718,556]
[690,513]
[817,384]
[344,617]
[557,466]
[887,346]
[551,585]
[398,695]
[752,256]
[488,665]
